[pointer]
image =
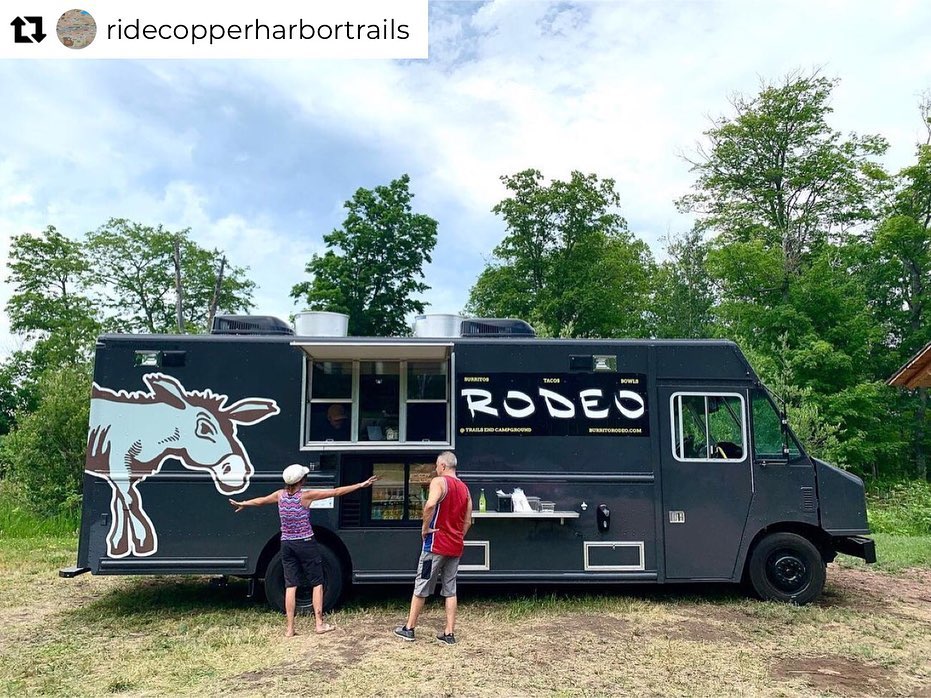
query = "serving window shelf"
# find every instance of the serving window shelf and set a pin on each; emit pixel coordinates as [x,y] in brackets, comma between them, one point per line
[561,515]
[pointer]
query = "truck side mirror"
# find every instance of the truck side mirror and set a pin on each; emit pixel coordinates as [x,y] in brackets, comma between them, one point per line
[784,424]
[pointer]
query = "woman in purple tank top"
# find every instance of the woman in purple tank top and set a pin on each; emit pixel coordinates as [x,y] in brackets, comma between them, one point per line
[300,555]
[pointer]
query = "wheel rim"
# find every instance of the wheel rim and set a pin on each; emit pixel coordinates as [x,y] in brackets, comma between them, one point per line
[305,597]
[305,594]
[787,571]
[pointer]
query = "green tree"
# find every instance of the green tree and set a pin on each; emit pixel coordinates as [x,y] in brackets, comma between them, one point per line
[782,192]
[373,265]
[50,274]
[135,275]
[776,185]
[18,390]
[684,293]
[45,452]
[777,173]
[200,272]
[567,262]
[896,261]
[50,309]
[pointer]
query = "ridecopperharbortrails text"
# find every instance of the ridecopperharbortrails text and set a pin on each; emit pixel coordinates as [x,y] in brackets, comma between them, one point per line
[388,29]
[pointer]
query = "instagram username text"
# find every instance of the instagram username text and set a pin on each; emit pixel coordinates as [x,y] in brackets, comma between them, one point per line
[257,31]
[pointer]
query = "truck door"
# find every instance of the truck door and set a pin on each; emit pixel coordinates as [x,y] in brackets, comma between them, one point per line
[707,481]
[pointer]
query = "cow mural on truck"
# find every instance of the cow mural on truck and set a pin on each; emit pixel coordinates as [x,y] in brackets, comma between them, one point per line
[132,434]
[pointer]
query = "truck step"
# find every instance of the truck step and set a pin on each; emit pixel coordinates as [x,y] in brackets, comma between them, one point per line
[71,572]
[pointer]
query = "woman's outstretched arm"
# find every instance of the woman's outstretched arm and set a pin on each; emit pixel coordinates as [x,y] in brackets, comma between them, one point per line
[257,502]
[308,496]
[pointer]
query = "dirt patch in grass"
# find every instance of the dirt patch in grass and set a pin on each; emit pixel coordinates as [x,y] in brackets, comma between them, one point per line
[604,626]
[707,631]
[327,670]
[693,628]
[836,675]
[907,593]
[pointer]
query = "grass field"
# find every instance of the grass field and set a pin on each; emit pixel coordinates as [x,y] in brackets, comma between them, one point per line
[869,635]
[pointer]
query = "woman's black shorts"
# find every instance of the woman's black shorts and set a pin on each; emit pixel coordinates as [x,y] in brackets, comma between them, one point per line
[302,563]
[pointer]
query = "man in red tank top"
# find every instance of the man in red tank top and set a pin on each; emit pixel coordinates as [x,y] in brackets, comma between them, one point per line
[447,516]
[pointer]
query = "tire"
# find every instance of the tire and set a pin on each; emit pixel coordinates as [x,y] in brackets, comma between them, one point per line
[787,567]
[333,582]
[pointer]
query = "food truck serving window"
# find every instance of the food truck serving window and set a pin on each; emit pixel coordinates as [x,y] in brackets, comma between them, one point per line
[366,402]
[708,426]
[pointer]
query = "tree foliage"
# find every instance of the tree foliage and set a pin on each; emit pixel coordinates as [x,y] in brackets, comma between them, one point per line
[134,272]
[45,453]
[776,172]
[50,275]
[895,261]
[373,265]
[785,200]
[683,304]
[65,292]
[567,262]
[18,389]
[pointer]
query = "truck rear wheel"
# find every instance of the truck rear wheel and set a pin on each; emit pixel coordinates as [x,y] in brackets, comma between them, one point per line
[787,567]
[332,584]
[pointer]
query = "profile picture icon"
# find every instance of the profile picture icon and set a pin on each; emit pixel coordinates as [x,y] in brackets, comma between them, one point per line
[76,29]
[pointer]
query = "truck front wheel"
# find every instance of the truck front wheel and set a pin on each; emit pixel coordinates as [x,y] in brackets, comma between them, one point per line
[332,584]
[787,567]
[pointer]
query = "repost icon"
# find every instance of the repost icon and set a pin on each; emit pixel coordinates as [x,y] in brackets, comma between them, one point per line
[27,30]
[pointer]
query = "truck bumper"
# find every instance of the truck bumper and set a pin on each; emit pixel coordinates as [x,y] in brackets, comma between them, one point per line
[857,546]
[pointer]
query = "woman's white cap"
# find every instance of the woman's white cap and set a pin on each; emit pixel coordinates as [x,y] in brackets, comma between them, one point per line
[294,472]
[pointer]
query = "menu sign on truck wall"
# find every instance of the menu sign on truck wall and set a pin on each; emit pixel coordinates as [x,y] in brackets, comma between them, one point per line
[546,404]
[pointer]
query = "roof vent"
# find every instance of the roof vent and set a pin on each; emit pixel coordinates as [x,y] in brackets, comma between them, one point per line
[437,325]
[321,323]
[249,324]
[496,327]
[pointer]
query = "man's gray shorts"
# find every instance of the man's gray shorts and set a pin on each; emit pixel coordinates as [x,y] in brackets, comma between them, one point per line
[434,568]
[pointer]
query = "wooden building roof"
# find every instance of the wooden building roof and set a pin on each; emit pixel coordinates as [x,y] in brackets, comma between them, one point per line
[916,373]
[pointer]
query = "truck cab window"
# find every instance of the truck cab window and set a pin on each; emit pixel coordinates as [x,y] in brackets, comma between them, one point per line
[768,434]
[708,426]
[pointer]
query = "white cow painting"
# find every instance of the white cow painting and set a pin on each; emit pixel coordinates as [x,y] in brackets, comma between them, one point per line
[132,434]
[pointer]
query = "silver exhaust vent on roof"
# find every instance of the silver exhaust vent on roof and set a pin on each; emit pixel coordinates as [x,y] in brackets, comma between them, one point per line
[319,323]
[437,325]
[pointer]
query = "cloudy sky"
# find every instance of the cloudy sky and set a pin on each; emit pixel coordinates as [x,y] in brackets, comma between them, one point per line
[257,157]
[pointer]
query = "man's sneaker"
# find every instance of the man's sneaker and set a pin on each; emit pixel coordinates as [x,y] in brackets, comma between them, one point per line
[445,638]
[405,633]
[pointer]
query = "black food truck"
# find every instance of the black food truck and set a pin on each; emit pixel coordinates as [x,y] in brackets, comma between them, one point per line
[641,460]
